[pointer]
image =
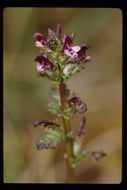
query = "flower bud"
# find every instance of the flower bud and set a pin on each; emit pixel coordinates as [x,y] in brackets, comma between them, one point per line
[75,101]
[81,131]
[58,29]
[45,123]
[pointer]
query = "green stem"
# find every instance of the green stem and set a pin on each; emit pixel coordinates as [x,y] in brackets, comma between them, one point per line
[69,145]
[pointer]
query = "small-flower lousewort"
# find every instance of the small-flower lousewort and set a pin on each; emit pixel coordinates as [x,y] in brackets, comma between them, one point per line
[57,61]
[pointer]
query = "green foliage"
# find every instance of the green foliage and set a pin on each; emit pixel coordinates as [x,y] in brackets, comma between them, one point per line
[49,139]
[87,154]
[64,115]
[52,137]
[53,55]
[54,107]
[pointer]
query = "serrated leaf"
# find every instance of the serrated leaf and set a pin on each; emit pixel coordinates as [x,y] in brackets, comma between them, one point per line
[48,140]
[86,154]
[54,107]
[83,155]
[56,96]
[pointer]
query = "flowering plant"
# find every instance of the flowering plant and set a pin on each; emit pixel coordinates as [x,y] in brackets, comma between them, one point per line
[58,61]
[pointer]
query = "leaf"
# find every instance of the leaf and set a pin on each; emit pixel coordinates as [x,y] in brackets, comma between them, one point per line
[64,115]
[83,155]
[48,139]
[56,83]
[54,107]
[86,154]
[56,96]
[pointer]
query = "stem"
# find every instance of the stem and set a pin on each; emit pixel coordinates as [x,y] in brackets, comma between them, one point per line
[69,145]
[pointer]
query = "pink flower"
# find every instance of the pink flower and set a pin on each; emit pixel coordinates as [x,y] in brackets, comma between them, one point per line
[68,42]
[72,51]
[81,53]
[40,66]
[43,63]
[40,40]
[67,52]
[39,44]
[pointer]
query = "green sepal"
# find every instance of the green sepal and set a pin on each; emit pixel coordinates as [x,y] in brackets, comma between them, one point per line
[75,70]
[57,40]
[53,55]
[68,59]
[62,58]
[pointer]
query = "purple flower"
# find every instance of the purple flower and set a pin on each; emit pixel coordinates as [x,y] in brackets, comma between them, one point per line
[43,63]
[39,37]
[72,51]
[67,43]
[76,52]
[81,53]
[40,40]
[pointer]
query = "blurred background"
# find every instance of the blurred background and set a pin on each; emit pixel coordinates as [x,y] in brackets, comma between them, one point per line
[26,95]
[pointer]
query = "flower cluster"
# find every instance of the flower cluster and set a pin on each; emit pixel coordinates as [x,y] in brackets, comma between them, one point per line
[59,59]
